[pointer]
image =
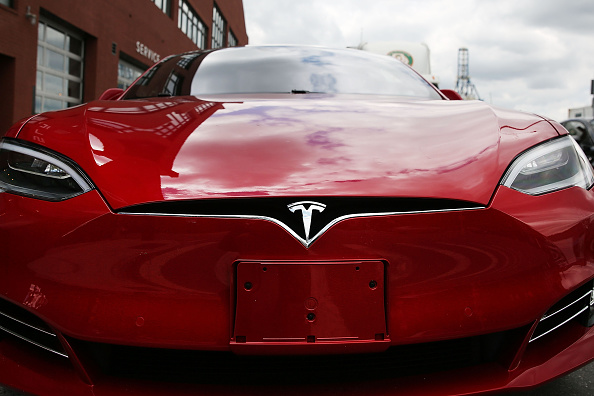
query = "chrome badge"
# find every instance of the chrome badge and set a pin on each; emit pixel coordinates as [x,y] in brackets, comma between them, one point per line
[307,208]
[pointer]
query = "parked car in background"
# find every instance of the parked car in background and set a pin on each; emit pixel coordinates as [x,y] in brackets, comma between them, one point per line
[582,131]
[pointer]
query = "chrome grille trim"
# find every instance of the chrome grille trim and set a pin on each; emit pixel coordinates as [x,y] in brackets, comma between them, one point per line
[588,294]
[574,305]
[34,342]
[26,324]
[559,325]
[304,242]
[18,322]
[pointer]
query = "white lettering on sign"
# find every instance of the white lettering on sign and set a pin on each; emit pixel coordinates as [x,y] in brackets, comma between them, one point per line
[147,52]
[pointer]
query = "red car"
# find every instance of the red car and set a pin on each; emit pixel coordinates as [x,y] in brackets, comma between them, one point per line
[292,220]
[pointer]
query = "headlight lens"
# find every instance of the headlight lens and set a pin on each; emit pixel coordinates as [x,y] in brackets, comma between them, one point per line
[33,171]
[551,166]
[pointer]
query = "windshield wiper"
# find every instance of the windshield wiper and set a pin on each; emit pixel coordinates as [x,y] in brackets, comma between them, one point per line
[299,91]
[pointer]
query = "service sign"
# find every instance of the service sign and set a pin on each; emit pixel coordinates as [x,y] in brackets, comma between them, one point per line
[147,52]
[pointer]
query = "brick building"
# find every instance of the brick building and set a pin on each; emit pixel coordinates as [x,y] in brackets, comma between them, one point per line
[59,53]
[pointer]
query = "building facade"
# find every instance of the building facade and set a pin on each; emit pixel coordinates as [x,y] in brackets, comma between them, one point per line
[56,54]
[581,112]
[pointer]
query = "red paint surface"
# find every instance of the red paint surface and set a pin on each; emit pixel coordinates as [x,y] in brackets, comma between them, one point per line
[272,303]
[188,149]
[175,282]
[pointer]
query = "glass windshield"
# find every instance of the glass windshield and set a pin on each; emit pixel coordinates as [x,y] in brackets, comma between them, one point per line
[276,69]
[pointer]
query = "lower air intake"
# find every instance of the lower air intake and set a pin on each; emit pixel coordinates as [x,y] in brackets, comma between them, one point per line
[17,322]
[208,367]
[575,306]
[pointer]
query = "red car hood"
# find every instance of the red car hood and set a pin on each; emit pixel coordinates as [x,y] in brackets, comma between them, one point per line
[164,149]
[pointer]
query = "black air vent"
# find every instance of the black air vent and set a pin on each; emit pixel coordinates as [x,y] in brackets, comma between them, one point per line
[202,367]
[573,306]
[18,322]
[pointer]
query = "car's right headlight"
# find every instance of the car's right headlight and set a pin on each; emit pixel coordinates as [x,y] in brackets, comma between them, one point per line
[548,167]
[33,171]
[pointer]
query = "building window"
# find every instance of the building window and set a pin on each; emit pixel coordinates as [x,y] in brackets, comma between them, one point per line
[189,23]
[173,84]
[146,79]
[127,73]
[231,39]
[163,5]
[60,56]
[218,28]
[7,3]
[186,61]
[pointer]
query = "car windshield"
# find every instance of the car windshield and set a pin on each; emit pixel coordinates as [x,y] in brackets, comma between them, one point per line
[279,69]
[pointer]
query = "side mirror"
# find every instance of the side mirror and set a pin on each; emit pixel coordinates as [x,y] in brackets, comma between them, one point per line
[451,94]
[111,94]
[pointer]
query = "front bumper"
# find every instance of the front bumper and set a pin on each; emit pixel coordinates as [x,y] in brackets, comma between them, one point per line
[23,368]
[149,289]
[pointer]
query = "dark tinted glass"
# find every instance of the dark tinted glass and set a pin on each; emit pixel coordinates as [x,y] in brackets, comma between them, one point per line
[297,70]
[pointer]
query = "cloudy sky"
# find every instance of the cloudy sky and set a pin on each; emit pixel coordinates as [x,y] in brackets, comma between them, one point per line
[531,55]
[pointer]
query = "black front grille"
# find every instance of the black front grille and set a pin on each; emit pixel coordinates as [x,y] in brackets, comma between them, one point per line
[226,368]
[276,207]
[285,210]
[574,306]
[17,322]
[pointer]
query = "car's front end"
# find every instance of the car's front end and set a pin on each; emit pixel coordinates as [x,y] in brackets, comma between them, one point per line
[292,243]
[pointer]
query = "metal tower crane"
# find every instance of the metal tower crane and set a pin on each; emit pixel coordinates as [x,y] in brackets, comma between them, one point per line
[464,86]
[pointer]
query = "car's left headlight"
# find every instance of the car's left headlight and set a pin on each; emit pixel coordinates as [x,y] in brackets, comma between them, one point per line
[548,167]
[33,171]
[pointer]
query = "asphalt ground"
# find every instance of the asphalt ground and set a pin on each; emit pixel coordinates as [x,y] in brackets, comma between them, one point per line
[578,383]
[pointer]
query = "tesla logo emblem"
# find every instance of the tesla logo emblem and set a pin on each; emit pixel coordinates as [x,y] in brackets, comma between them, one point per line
[306,208]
